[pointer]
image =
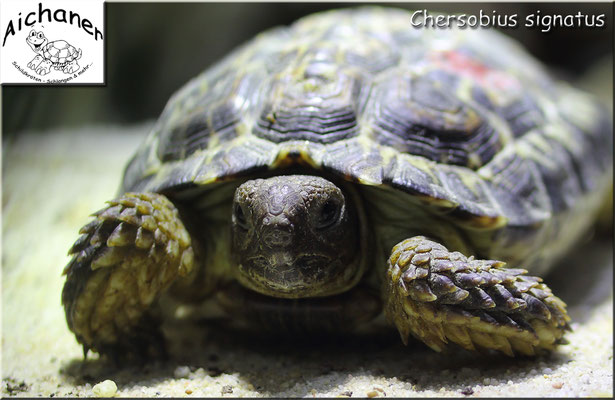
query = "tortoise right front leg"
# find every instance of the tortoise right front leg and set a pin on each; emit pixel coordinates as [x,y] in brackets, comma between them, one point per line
[35,62]
[132,251]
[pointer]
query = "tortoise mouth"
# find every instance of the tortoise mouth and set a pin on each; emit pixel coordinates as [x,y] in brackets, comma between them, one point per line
[299,277]
[340,312]
[34,44]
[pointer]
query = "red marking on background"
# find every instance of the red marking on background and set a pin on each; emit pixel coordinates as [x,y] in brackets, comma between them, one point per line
[462,64]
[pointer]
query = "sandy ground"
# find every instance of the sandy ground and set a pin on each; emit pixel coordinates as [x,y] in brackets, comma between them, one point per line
[52,181]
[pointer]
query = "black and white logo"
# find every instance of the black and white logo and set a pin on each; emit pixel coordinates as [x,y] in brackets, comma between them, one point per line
[52,42]
[58,54]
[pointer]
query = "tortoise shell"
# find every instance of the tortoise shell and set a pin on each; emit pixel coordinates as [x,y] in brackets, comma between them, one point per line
[60,51]
[464,121]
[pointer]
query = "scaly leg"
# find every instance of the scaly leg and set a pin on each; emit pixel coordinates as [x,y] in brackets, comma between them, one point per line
[131,252]
[440,297]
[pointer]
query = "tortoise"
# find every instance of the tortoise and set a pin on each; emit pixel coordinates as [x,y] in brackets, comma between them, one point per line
[346,167]
[58,54]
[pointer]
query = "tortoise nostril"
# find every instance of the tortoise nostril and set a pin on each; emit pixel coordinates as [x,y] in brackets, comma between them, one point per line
[277,234]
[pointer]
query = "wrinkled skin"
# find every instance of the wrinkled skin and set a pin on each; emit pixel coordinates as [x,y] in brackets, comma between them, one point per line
[295,236]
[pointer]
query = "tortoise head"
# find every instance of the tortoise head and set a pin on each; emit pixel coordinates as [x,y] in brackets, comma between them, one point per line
[296,236]
[36,40]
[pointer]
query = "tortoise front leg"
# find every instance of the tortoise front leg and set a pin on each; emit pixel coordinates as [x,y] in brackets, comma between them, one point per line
[132,251]
[440,297]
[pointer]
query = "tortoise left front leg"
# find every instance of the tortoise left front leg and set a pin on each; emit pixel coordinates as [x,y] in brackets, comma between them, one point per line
[440,297]
[44,67]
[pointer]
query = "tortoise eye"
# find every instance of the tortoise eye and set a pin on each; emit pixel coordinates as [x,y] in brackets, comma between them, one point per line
[40,35]
[329,214]
[32,33]
[240,217]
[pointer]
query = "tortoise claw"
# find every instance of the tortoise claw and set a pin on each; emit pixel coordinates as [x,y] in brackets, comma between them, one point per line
[440,297]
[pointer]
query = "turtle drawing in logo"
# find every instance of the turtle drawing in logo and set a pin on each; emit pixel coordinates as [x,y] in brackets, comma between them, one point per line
[58,54]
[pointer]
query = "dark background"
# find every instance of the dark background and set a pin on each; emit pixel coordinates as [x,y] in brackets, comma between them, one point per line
[152,49]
